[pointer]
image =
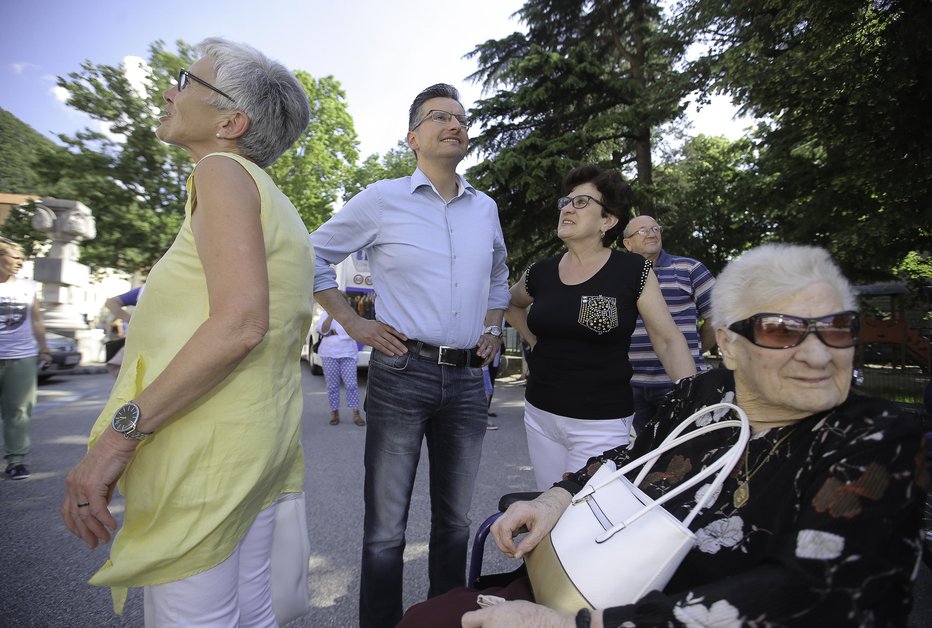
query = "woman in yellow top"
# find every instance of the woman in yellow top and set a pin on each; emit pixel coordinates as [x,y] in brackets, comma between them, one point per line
[203,428]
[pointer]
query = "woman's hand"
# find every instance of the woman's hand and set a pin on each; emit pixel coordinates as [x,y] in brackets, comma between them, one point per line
[517,615]
[537,517]
[90,485]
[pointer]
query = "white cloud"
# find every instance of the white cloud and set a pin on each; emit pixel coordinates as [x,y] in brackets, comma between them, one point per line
[22,66]
[60,93]
[137,72]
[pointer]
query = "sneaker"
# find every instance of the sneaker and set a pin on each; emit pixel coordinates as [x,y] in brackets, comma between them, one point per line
[491,426]
[17,471]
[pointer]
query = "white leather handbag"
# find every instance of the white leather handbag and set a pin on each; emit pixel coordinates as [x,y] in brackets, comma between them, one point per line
[614,544]
[291,553]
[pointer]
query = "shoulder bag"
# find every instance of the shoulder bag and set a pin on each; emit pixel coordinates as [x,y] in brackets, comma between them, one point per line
[614,544]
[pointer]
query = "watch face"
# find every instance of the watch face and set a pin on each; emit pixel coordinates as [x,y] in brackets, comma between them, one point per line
[126,417]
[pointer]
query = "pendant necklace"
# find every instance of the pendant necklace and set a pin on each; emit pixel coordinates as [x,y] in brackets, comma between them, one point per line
[743,492]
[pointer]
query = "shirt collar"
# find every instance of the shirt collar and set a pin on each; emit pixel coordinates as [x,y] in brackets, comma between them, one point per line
[664,259]
[419,178]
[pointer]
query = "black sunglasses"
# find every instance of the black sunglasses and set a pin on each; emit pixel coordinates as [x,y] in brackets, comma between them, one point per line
[184,75]
[782,331]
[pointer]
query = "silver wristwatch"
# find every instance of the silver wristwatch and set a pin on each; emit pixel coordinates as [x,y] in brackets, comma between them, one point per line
[125,420]
[493,330]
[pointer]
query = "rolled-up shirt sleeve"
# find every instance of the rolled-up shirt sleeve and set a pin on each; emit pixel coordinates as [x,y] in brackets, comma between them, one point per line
[352,229]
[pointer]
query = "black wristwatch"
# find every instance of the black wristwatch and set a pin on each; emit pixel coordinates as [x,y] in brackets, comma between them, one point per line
[125,420]
[583,618]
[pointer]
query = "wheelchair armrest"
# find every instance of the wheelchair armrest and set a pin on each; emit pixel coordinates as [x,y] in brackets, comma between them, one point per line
[510,498]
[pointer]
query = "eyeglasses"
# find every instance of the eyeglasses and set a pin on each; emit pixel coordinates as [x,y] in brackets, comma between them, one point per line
[578,201]
[645,231]
[443,117]
[184,75]
[781,331]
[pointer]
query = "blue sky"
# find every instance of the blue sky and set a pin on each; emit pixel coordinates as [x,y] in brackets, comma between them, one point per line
[383,52]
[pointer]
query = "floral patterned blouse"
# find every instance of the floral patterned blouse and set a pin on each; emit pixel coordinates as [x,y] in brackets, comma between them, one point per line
[829,534]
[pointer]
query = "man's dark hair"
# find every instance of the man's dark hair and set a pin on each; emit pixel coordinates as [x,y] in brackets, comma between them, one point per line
[440,90]
[617,196]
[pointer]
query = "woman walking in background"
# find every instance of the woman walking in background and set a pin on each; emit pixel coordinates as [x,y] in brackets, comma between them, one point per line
[338,352]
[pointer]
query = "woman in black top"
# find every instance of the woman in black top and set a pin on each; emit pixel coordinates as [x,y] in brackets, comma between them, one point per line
[585,305]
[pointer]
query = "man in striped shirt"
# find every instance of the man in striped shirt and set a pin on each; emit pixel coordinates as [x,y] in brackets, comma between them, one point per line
[687,288]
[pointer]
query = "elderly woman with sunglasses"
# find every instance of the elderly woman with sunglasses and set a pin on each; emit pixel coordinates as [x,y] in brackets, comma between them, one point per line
[818,525]
[202,432]
[584,307]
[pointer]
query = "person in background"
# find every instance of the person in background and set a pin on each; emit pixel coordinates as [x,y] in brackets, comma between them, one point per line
[489,389]
[338,353]
[585,303]
[818,525]
[117,306]
[22,346]
[437,259]
[493,374]
[202,432]
[686,285]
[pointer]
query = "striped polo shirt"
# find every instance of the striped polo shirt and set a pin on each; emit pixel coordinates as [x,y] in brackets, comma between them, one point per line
[687,288]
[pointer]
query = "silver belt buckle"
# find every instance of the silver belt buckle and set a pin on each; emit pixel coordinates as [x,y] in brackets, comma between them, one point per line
[440,356]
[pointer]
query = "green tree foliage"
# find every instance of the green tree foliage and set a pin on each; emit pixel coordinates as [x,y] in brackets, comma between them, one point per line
[843,89]
[398,162]
[20,147]
[589,81]
[323,160]
[705,195]
[135,184]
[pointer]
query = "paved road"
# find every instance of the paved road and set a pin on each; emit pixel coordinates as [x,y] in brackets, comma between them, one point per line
[44,569]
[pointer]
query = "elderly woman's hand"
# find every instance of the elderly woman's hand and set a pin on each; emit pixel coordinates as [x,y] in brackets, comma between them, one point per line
[90,487]
[537,517]
[517,615]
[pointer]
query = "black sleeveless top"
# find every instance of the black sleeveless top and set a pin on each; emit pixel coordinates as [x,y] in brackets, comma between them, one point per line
[579,367]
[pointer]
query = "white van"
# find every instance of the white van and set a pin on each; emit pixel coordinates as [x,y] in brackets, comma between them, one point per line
[355,282]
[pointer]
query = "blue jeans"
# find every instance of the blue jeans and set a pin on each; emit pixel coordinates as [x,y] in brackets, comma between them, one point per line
[408,399]
[646,401]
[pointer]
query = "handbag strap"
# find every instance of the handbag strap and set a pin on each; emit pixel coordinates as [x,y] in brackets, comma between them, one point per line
[722,466]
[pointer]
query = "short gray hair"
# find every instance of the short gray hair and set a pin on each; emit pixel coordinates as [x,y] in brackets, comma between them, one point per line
[265,90]
[772,272]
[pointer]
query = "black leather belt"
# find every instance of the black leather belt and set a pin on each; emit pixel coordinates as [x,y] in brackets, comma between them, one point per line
[446,356]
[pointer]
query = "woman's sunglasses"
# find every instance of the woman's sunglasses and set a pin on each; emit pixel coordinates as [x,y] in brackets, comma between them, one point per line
[782,331]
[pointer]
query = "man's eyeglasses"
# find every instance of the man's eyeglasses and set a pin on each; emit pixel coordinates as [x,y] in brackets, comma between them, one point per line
[578,201]
[781,331]
[443,117]
[645,231]
[184,75]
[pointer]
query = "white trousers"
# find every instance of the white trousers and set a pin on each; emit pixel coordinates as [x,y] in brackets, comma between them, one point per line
[233,594]
[558,444]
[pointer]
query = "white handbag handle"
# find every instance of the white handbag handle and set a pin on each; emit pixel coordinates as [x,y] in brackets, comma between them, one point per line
[723,465]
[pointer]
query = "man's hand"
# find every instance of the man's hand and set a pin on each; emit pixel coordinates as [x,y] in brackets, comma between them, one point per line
[487,347]
[90,487]
[377,335]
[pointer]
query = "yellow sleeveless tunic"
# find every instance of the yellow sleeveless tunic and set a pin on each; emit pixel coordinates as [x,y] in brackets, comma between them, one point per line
[194,488]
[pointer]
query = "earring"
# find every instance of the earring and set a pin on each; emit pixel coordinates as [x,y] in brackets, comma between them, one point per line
[217,135]
[601,233]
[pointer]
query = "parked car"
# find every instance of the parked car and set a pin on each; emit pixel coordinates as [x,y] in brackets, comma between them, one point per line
[65,355]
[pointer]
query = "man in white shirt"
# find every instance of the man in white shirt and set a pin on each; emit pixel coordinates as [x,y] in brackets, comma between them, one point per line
[437,258]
